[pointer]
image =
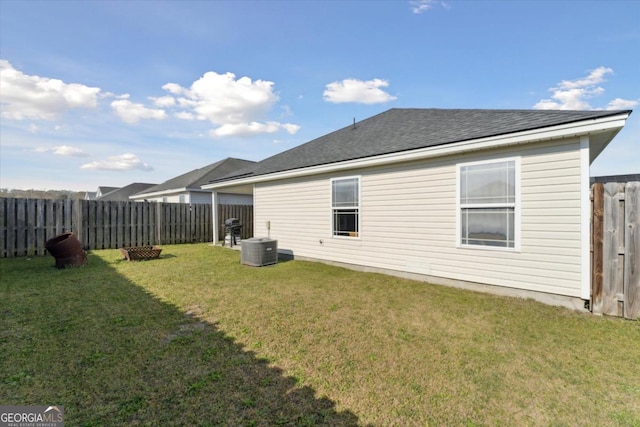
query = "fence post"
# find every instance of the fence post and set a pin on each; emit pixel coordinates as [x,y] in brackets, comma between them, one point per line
[597,243]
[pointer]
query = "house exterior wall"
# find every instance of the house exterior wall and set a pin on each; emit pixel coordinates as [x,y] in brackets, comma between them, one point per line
[408,220]
[233,199]
[204,197]
[194,197]
[172,198]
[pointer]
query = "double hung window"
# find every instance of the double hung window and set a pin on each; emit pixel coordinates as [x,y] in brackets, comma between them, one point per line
[488,203]
[345,206]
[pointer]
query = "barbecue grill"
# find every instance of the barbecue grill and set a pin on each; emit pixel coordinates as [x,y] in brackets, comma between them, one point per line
[232,228]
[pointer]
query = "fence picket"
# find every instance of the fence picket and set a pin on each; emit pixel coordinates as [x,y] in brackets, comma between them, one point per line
[611,243]
[11,229]
[3,227]
[20,226]
[632,251]
[67,221]
[40,227]
[31,227]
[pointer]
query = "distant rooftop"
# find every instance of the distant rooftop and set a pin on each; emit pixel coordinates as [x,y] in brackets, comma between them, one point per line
[122,194]
[616,178]
[197,177]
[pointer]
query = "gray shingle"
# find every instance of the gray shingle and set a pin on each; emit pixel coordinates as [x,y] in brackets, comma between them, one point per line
[195,178]
[402,129]
[122,194]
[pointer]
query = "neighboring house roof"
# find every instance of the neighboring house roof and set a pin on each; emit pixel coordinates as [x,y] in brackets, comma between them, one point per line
[122,194]
[104,190]
[90,195]
[194,179]
[616,178]
[405,129]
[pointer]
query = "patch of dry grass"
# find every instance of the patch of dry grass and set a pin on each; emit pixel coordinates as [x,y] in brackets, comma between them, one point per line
[341,347]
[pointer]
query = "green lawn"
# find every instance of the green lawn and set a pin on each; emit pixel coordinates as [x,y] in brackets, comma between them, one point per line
[195,338]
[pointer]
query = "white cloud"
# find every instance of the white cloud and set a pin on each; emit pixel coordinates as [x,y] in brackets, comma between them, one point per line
[595,77]
[421,6]
[163,101]
[62,150]
[238,107]
[358,91]
[621,104]
[574,94]
[124,162]
[290,128]
[185,115]
[40,98]
[285,111]
[66,150]
[222,99]
[174,88]
[253,128]
[133,113]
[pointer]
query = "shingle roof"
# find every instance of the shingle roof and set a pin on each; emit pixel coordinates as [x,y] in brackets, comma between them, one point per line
[122,194]
[197,177]
[404,129]
[102,190]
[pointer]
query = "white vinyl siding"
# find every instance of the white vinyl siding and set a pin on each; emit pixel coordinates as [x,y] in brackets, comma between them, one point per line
[198,198]
[171,198]
[233,199]
[192,197]
[298,214]
[409,220]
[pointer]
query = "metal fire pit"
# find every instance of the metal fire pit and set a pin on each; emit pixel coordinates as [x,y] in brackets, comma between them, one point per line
[67,250]
[140,253]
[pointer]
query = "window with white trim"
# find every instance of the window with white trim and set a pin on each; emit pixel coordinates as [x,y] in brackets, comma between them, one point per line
[345,206]
[488,203]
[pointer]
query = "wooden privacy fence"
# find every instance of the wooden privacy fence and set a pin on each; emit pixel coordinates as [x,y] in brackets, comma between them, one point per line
[615,249]
[26,224]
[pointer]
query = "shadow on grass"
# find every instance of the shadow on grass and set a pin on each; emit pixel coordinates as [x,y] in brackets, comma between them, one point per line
[112,354]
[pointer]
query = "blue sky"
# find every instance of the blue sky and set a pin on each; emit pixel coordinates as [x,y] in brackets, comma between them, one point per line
[109,93]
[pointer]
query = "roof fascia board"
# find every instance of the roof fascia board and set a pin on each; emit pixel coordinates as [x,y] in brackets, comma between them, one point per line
[198,190]
[167,192]
[569,130]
